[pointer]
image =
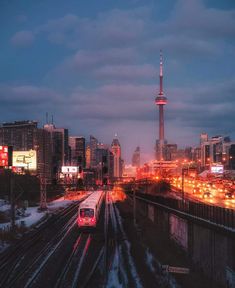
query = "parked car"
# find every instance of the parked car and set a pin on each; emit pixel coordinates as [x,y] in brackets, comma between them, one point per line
[229,195]
[207,194]
[196,190]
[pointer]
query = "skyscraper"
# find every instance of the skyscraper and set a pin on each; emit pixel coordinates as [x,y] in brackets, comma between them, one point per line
[93,147]
[60,147]
[78,153]
[136,157]
[88,156]
[24,136]
[19,134]
[160,101]
[116,149]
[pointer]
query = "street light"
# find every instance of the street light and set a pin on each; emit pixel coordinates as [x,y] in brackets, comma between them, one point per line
[230,162]
[182,186]
[134,202]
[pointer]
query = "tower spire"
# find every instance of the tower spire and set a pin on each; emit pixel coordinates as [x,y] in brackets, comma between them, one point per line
[161,74]
[160,101]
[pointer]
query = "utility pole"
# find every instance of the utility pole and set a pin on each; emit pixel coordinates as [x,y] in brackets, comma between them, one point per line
[43,192]
[12,197]
[183,185]
[134,203]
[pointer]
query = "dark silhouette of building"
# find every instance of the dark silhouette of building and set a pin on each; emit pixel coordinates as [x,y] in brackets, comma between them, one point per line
[78,150]
[93,147]
[25,136]
[170,152]
[116,150]
[60,147]
[136,157]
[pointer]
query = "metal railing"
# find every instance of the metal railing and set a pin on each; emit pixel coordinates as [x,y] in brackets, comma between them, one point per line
[214,214]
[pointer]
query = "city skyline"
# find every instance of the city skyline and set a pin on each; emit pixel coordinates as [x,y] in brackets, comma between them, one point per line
[96,68]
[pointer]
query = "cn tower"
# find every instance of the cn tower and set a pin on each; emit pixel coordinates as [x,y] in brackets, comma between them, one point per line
[160,101]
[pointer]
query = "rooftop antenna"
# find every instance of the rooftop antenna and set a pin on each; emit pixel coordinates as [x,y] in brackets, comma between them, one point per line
[46,117]
[52,120]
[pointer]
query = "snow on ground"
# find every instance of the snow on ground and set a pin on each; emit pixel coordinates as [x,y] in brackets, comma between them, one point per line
[33,215]
[163,278]
[128,251]
[113,280]
[4,206]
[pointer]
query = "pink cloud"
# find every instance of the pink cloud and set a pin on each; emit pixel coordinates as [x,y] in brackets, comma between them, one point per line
[22,38]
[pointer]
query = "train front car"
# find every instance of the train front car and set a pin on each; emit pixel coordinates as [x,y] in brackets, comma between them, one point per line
[89,210]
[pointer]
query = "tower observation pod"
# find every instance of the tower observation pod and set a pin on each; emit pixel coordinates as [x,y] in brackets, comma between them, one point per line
[160,101]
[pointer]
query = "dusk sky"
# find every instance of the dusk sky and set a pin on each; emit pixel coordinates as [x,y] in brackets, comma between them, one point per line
[94,65]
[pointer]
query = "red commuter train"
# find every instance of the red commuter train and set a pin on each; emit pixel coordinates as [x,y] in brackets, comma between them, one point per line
[89,210]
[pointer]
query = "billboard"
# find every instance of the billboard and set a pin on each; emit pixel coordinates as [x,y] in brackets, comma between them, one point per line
[217,169]
[69,169]
[3,155]
[26,159]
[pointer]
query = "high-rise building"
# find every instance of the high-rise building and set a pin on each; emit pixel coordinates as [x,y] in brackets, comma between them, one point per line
[216,150]
[60,144]
[25,136]
[43,145]
[136,157]
[160,101]
[93,147]
[232,157]
[203,138]
[78,151]
[116,150]
[104,158]
[88,156]
[170,152]
[19,134]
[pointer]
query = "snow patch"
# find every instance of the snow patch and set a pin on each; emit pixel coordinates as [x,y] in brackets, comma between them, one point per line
[149,261]
[130,259]
[113,279]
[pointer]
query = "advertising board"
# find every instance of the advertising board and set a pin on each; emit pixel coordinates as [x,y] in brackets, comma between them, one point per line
[26,159]
[3,155]
[217,169]
[69,169]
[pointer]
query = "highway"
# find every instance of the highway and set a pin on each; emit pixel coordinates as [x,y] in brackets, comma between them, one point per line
[216,190]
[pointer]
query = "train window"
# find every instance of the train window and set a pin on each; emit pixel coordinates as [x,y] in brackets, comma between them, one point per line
[86,212]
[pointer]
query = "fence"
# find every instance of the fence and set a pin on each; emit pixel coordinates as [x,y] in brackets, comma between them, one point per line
[217,215]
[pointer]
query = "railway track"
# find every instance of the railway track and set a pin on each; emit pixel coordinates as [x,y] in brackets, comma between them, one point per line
[121,264]
[72,257]
[13,263]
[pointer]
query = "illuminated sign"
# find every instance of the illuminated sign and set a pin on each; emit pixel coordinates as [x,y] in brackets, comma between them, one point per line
[26,159]
[3,155]
[69,169]
[217,169]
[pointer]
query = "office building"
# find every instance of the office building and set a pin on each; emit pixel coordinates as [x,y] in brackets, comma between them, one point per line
[136,157]
[78,151]
[116,150]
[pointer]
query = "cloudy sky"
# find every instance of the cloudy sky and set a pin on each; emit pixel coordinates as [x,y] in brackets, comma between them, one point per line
[94,66]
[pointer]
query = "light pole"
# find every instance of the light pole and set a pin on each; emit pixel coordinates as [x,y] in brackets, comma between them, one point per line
[182,185]
[12,199]
[230,162]
[134,203]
